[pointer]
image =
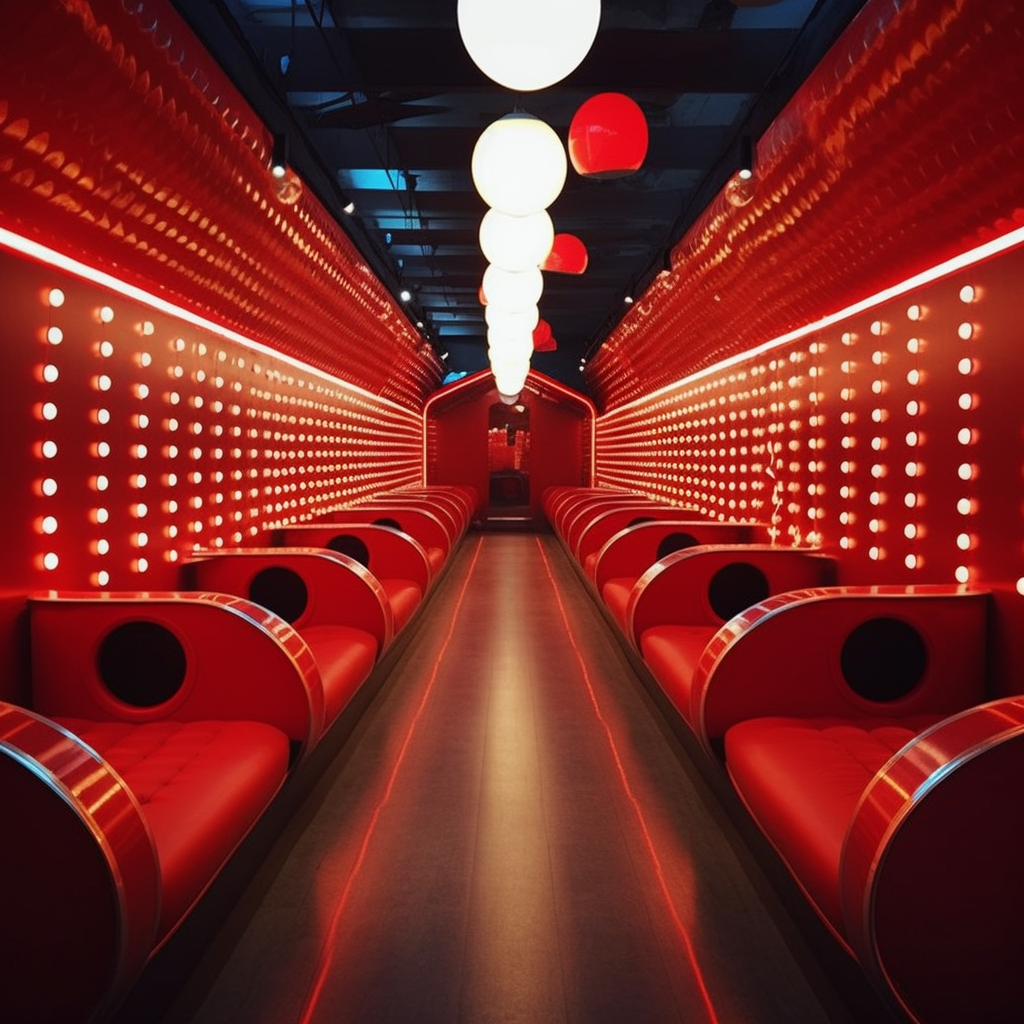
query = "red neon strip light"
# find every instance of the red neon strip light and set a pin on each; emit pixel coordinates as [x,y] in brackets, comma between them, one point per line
[327,951]
[52,258]
[965,259]
[631,797]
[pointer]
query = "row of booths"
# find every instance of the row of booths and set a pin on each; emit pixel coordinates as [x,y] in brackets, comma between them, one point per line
[163,725]
[857,725]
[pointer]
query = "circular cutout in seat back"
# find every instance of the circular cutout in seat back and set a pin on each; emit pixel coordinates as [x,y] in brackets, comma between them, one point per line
[883,659]
[675,542]
[736,587]
[142,663]
[393,524]
[354,547]
[639,520]
[280,590]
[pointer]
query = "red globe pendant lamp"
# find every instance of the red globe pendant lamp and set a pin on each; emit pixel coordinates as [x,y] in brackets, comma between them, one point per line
[544,338]
[568,255]
[608,136]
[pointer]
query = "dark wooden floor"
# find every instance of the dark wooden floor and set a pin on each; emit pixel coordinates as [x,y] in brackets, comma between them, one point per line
[509,835]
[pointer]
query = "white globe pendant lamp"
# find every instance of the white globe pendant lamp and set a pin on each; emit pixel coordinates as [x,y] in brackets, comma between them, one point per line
[509,362]
[512,290]
[515,348]
[512,321]
[516,243]
[527,45]
[510,378]
[519,165]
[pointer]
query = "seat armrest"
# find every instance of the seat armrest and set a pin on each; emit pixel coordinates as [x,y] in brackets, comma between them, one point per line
[844,652]
[144,656]
[930,878]
[80,889]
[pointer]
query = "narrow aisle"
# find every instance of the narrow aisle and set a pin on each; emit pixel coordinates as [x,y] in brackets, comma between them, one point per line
[506,837]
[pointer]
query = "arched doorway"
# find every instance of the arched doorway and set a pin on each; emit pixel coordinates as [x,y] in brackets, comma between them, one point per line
[508,460]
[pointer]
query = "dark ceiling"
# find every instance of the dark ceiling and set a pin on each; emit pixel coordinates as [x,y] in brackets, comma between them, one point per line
[382,106]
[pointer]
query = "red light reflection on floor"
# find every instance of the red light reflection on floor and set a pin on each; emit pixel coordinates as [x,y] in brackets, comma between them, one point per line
[631,797]
[327,952]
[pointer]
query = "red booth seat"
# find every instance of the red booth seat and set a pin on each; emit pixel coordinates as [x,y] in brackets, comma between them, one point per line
[600,528]
[795,654]
[677,606]
[562,504]
[438,536]
[575,519]
[632,552]
[148,758]
[463,499]
[907,838]
[115,830]
[155,656]
[336,605]
[201,786]
[398,561]
[859,734]
[554,497]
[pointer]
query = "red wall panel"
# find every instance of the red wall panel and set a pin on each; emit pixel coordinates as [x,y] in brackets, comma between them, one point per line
[133,436]
[904,148]
[122,144]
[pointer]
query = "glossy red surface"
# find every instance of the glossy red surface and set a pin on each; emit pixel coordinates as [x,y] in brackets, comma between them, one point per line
[608,136]
[392,554]
[676,589]
[748,669]
[568,255]
[629,553]
[229,642]
[142,159]
[201,787]
[930,884]
[881,165]
[338,590]
[81,881]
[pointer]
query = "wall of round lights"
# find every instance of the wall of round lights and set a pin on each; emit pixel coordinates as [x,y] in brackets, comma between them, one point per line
[519,165]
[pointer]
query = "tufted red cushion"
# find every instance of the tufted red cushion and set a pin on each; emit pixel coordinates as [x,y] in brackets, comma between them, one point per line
[672,653]
[345,657]
[615,594]
[202,785]
[801,779]
[404,596]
